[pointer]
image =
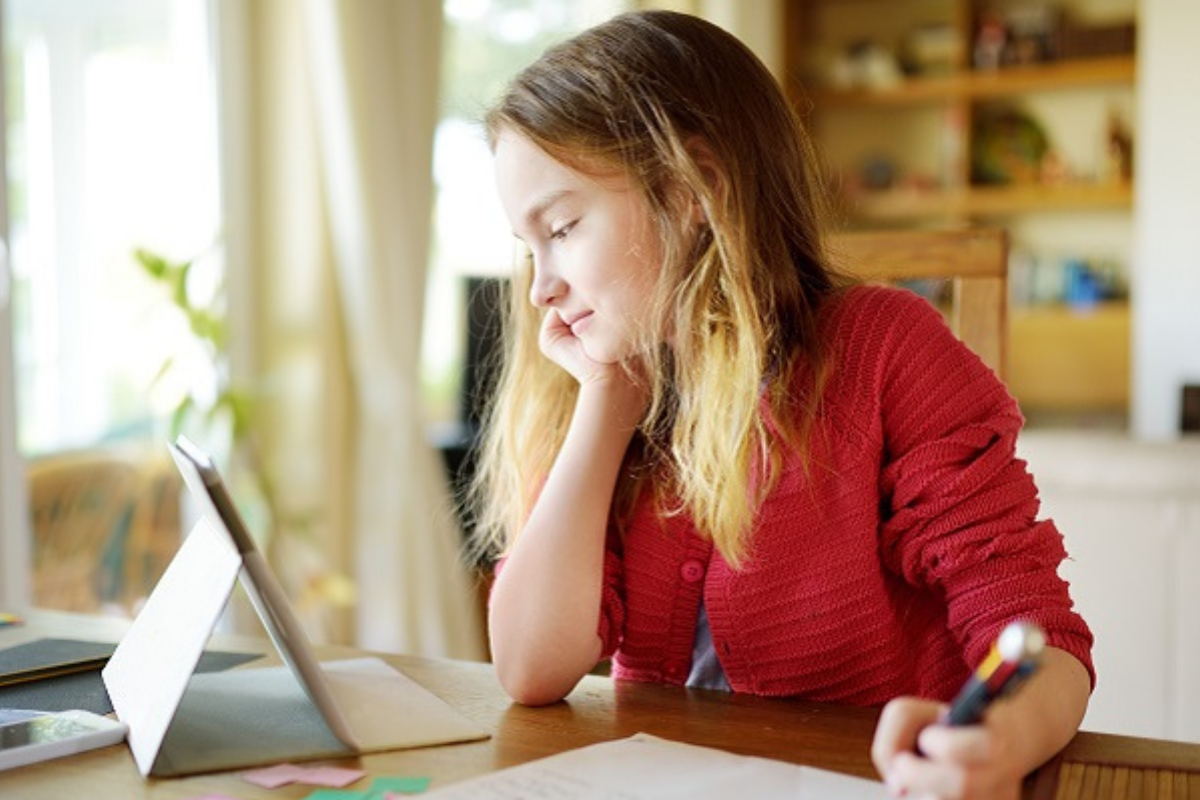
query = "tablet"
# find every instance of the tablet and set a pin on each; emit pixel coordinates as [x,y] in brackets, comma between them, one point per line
[273,607]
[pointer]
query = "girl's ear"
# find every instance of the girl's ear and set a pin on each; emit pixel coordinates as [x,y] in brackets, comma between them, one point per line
[711,172]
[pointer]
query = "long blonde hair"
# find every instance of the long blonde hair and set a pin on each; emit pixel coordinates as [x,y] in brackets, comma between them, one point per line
[683,108]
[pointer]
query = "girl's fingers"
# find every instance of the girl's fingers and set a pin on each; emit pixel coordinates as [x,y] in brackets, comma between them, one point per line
[920,757]
[912,776]
[562,347]
[900,723]
[968,745]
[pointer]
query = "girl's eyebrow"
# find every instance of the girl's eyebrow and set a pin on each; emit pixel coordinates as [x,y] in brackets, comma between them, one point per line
[544,204]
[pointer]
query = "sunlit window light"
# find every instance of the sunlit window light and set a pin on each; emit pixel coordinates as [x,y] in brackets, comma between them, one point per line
[112,146]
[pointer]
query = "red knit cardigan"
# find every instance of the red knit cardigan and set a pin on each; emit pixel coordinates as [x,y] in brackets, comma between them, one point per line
[890,566]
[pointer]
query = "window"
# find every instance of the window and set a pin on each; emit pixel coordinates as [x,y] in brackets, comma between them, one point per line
[111,147]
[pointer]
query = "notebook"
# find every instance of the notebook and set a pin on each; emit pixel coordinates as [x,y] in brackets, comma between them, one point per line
[182,722]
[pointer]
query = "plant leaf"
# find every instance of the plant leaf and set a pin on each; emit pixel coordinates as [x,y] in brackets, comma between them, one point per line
[179,416]
[154,264]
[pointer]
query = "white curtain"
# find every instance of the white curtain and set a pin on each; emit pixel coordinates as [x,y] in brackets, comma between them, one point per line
[15,564]
[329,108]
[374,65]
[15,559]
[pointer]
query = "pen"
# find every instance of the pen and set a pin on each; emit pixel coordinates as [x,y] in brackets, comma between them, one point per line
[1012,659]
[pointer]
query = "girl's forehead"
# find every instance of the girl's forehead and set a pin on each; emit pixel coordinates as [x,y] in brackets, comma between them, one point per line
[522,162]
[587,160]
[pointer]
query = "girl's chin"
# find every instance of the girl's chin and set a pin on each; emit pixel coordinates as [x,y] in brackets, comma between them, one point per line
[608,352]
[603,354]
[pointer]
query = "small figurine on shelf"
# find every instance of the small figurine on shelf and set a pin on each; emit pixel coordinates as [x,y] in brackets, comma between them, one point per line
[878,172]
[1053,171]
[1118,155]
[1032,33]
[1010,145]
[865,65]
[990,42]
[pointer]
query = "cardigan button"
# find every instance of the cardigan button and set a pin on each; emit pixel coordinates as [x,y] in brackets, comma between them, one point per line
[692,570]
[675,671]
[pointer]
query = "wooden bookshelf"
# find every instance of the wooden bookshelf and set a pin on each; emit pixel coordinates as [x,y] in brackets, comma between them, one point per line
[957,94]
[1060,358]
[988,201]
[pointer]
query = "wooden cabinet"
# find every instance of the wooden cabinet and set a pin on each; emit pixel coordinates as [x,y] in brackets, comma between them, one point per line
[912,132]
[1064,359]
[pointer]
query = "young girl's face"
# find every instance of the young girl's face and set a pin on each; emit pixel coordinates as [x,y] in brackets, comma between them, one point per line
[595,251]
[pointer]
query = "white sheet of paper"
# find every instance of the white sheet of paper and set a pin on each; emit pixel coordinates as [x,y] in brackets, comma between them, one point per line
[645,767]
[149,670]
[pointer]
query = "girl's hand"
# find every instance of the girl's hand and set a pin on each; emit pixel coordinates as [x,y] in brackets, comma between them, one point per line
[918,757]
[565,349]
[628,397]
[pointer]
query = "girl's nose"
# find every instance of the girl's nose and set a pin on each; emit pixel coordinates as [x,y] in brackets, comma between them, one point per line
[547,287]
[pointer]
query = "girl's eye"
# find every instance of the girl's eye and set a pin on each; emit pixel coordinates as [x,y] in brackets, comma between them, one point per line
[560,232]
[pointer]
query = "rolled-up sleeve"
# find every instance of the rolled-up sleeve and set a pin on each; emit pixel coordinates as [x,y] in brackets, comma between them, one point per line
[960,510]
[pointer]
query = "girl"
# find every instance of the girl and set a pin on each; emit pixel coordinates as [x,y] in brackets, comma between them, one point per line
[720,463]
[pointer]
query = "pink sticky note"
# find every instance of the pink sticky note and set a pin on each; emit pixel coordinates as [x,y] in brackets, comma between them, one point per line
[276,776]
[330,776]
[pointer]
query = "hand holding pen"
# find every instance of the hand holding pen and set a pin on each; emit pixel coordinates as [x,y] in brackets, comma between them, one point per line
[922,747]
[1012,659]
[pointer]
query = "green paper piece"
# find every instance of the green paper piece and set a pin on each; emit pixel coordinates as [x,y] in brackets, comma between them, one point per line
[337,794]
[398,784]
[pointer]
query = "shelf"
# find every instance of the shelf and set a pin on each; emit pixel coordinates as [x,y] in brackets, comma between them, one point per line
[1052,76]
[984,201]
[915,91]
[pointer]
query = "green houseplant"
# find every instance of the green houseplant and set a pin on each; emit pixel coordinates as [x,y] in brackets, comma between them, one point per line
[227,411]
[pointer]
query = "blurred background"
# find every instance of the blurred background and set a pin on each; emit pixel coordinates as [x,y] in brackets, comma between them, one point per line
[270,225]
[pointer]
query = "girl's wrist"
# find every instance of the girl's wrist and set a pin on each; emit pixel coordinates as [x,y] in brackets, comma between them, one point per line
[616,396]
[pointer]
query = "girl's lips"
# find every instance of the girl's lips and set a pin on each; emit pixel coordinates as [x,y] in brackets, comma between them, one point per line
[577,322]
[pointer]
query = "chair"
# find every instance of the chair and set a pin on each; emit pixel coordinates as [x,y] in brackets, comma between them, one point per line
[974,263]
[105,526]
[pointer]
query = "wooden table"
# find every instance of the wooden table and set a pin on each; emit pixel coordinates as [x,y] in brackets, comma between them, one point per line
[826,736]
